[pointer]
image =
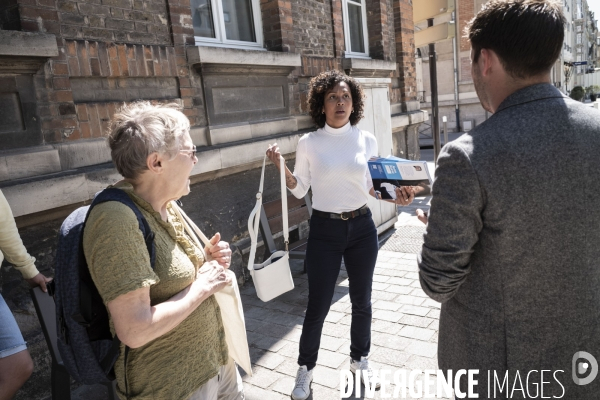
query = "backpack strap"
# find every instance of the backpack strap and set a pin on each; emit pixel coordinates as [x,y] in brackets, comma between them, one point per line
[114,194]
[111,194]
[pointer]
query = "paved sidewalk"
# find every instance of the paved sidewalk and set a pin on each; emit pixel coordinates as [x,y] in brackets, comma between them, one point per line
[404,329]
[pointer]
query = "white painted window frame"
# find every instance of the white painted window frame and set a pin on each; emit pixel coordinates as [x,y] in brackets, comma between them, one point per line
[345,19]
[221,40]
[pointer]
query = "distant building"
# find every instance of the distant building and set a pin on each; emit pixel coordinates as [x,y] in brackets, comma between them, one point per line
[562,73]
[580,46]
[457,99]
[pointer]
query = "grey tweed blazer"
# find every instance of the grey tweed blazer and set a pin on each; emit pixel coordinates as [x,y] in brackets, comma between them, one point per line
[512,248]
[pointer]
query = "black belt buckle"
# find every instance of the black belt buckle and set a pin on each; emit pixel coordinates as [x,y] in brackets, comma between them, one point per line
[342,216]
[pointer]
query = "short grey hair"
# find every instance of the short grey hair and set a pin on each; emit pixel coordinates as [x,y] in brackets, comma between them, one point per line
[140,129]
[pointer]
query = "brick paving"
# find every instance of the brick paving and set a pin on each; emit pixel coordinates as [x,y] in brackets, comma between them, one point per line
[404,329]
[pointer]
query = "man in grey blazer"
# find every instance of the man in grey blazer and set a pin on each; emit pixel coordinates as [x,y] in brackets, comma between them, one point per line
[512,249]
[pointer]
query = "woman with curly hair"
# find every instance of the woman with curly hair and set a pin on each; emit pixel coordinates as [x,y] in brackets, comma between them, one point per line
[333,161]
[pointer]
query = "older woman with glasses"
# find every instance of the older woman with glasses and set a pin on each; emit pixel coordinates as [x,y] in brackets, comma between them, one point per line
[166,315]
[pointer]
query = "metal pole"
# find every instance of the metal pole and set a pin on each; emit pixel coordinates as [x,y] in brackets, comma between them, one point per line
[455,64]
[435,122]
[445,122]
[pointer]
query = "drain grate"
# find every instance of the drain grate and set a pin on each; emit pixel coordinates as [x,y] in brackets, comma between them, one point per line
[406,239]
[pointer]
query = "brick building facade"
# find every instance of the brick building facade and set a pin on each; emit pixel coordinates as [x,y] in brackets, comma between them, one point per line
[66,66]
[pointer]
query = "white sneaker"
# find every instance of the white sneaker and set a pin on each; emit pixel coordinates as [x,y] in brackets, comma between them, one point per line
[302,388]
[365,372]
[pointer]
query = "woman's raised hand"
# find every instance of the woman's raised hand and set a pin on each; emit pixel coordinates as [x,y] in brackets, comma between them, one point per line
[274,154]
[218,251]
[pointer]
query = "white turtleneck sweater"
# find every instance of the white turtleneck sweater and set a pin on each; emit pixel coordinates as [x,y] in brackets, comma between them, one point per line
[334,162]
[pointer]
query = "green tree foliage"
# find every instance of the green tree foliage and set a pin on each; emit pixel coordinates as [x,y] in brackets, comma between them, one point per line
[577,93]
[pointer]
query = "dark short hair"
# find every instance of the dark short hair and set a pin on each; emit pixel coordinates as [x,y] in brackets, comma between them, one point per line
[325,81]
[527,35]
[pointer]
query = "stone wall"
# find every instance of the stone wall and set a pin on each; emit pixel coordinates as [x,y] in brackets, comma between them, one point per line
[313,27]
[78,97]
[132,21]
[405,77]
[278,25]
[466,11]
[118,39]
[381,27]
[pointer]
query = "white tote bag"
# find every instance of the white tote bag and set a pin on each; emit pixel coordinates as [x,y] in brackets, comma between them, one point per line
[273,277]
[230,303]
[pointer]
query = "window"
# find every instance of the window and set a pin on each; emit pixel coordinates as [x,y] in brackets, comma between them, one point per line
[18,119]
[227,23]
[355,28]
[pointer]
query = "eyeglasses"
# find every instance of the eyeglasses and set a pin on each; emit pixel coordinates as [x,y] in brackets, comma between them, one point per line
[192,150]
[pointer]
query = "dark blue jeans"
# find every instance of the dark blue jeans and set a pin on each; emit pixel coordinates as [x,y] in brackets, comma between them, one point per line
[328,241]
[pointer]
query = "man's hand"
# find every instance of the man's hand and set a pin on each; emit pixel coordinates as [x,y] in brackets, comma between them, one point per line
[404,195]
[219,251]
[422,216]
[39,280]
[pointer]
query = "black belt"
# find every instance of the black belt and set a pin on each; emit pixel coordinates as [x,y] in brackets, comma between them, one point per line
[345,215]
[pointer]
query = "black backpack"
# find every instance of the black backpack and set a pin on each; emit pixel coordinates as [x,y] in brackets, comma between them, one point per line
[87,348]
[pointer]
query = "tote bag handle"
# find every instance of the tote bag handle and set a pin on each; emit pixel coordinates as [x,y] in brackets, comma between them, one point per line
[192,228]
[254,219]
[229,300]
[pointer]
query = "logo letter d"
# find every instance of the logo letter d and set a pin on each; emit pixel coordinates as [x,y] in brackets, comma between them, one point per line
[592,363]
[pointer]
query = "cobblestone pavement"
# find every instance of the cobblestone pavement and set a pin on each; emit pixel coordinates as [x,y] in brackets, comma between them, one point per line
[404,329]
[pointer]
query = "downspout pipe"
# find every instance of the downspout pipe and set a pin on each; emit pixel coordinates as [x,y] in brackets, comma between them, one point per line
[455,59]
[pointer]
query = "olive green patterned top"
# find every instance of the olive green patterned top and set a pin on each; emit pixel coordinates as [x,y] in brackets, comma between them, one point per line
[176,364]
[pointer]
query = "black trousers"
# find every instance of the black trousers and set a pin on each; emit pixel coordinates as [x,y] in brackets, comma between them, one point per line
[329,240]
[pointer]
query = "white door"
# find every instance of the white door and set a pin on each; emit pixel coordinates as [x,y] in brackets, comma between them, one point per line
[377,120]
[419,71]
